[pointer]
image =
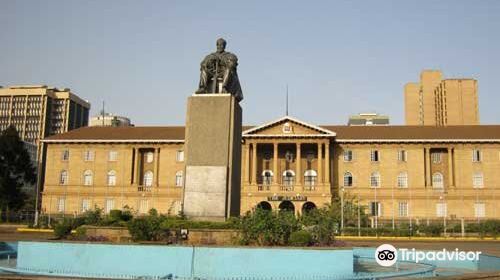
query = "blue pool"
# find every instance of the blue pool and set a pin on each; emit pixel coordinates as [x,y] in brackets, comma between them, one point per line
[181,262]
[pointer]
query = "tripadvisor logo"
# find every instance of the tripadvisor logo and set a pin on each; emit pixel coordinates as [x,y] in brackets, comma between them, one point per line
[387,255]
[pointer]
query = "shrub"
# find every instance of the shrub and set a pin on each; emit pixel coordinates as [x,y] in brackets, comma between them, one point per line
[322,224]
[148,228]
[63,228]
[300,238]
[93,217]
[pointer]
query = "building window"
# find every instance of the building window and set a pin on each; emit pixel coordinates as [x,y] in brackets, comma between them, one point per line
[87,178]
[65,155]
[143,206]
[477,180]
[348,181]
[375,208]
[402,155]
[374,156]
[437,180]
[149,157]
[88,155]
[179,179]
[179,156]
[436,157]
[476,155]
[479,210]
[375,180]
[288,178]
[403,180]
[148,179]
[111,178]
[267,177]
[61,204]
[110,205]
[63,178]
[403,209]
[441,209]
[85,205]
[310,177]
[347,155]
[113,156]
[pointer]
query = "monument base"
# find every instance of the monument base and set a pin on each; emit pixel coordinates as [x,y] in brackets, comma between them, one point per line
[213,157]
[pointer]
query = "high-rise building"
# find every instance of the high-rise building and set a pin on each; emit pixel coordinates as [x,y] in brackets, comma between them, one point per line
[438,101]
[368,119]
[109,120]
[38,111]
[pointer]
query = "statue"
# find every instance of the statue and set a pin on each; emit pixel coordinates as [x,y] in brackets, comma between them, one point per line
[218,73]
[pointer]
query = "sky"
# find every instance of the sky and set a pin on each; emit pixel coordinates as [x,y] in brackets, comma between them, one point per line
[338,58]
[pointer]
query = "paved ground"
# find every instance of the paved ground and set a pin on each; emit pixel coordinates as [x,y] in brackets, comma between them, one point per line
[9,233]
[486,247]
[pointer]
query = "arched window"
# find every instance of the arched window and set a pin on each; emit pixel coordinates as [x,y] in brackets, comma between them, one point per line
[88,178]
[63,179]
[288,180]
[310,177]
[375,180]
[477,180]
[403,180]
[111,178]
[149,157]
[148,179]
[179,179]
[267,177]
[348,179]
[437,180]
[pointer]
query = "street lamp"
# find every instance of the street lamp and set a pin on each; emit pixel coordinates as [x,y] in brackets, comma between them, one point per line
[342,209]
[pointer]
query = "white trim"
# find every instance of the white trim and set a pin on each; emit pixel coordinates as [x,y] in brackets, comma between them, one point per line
[287,135]
[111,141]
[414,140]
[315,127]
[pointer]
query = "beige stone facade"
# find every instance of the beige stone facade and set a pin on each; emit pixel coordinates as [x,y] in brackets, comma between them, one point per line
[438,101]
[414,173]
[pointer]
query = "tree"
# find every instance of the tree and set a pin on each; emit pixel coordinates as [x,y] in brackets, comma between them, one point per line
[16,170]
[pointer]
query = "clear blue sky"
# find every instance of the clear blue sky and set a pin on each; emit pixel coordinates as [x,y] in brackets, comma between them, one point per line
[338,57]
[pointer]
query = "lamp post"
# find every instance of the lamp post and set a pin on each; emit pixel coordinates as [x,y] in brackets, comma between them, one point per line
[342,210]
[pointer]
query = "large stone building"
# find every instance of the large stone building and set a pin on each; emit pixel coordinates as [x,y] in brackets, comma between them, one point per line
[38,111]
[405,173]
[438,101]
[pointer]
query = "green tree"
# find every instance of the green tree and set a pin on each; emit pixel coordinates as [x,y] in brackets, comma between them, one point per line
[16,170]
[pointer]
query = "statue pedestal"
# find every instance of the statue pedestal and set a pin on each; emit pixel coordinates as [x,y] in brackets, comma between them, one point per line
[213,157]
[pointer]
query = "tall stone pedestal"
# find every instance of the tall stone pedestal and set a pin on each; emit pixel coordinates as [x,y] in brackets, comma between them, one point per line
[213,157]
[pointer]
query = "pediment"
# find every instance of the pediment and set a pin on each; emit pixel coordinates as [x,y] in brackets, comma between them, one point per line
[287,127]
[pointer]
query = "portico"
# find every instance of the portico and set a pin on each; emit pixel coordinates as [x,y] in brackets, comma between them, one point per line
[286,163]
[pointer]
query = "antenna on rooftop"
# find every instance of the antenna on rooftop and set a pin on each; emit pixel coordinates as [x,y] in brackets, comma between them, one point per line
[286,113]
[102,112]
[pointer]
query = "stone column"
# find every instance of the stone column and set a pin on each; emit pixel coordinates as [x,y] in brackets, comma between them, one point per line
[427,159]
[451,182]
[298,169]
[155,167]
[254,164]
[275,164]
[134,165]
[327,163]
[247,163]
[320,155]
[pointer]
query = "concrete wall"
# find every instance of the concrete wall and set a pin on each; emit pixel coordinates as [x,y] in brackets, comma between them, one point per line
[136,260]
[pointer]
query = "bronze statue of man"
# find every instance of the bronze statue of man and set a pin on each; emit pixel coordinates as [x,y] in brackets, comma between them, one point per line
[218,73]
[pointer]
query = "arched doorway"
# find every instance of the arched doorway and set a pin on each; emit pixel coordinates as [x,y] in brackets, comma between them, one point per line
[308,206]
[287,206]
[264,205]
